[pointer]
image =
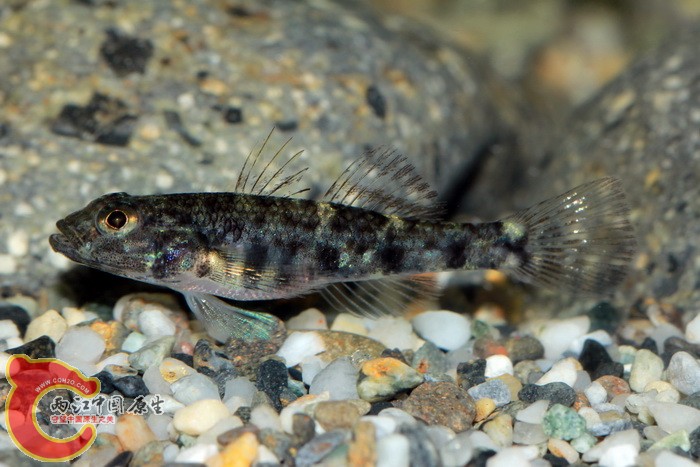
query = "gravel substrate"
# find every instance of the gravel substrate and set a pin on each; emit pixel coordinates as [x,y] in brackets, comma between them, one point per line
[392,391]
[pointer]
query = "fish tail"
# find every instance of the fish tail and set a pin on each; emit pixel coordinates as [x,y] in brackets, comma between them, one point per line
[581,240]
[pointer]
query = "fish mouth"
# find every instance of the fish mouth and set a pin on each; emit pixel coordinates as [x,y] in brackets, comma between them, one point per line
[67,242]
[61,244]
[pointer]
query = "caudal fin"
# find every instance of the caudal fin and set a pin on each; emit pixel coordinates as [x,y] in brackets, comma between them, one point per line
[581,240]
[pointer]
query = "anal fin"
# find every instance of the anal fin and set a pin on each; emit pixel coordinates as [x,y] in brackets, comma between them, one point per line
[223,321]
[375,298]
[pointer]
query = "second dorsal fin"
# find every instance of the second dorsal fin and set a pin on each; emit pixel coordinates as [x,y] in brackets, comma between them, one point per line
[383,180]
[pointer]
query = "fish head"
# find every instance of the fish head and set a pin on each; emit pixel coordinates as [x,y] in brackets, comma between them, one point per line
[124,235]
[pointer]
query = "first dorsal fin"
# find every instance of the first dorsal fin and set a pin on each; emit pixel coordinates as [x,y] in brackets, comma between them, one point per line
[383,180]
[270,179]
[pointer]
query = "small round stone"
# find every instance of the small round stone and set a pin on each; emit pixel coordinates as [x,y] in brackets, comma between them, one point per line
[484,408]
[524,348]
[534,413]
[493,389]
[197,418]
[385,377]
[614,385]
[692,330]
[311,318]
[647,367]
[49,324]
[442,404]
[683,373]
[563,423]
[497,365]
[336,414]
[192,388]
[131,386]
[133,432]
[558,393]
[446,329]
[80,345]
[152,354]
[500,430]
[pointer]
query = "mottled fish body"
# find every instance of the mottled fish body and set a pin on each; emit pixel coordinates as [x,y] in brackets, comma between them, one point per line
[255,245]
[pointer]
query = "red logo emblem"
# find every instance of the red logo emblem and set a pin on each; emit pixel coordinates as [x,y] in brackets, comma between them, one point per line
[31,379]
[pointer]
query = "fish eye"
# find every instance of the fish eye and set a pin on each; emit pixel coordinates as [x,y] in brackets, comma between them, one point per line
[116,219]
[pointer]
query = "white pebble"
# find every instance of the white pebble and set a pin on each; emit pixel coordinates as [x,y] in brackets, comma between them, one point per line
[170,452]
[617,450]
[596,393]
[692,330]
[310,367]
[8,329]
[394,333]
[338,379]
[482,441]
[591,417]
[647,367]
[393,451]
[240,387]
[311,318]
[4,358]
[133,342]
[265,456]
[75,316]
[197,418]
[519,456]
[534,413]
[557,335]
[263,416]
[119,359]
[18,243]
[497,365]
[683,373]
[402,417]
[159,425]
[674,417]
[8,264]
[234,403]
[383,426]
[583,380]
[192,388]
[80,344]
[50,324]
[300,345]
[446,329]
[170,405]
[563,371]
[197,454]
[153,379]
[662,332]
[666,458]
[154,323]
[349,323]
[164,181]
[458,451]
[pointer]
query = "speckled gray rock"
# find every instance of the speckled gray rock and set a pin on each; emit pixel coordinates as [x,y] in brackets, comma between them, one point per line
[643,129]
[101,97]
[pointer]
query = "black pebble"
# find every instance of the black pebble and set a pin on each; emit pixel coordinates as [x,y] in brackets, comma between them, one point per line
[376,101]
[295,374]
[692,400]
[675,344]
[593,355]
[272,379]
[131,386]
[556,393]
[555,461]
[233,115]
[187,359]
[695,443]
[650,345]
[16,314]
[287,125]
[41,347]
[4,129]
[606,317]
[121,460]
[378,407]
[106,382]
[243,413]
[471,373]
[174,122]
[104,120]
[481,457]
[125,54]
[214,364]
[394,353]
[610,368]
